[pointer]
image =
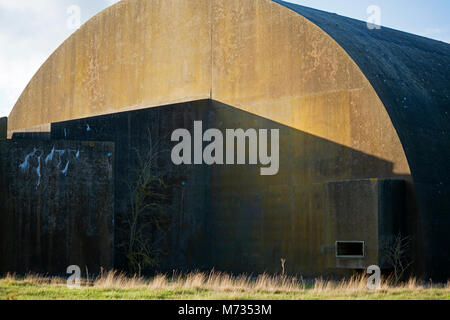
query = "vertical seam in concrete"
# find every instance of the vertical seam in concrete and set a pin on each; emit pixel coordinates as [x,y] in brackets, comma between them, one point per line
[211,53]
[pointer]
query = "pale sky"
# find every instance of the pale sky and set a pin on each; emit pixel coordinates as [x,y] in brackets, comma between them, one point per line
[30,30]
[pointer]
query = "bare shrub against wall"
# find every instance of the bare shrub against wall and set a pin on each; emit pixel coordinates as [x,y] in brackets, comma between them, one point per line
[397,253]
[148,220]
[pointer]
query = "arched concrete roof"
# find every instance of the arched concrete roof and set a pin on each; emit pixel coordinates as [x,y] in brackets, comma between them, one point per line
[255,55]
[411,75]
[309,70]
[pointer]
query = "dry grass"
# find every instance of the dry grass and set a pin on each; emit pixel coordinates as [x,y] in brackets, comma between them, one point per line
[215,284]
[214,281]
[222,282]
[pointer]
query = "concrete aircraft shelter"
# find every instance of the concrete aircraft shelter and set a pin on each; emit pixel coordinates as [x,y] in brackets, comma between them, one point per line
[356,108]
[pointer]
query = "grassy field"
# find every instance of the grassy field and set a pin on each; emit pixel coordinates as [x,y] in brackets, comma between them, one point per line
[214,286]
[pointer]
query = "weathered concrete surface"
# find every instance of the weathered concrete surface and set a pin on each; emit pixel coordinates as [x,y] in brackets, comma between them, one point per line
[31,136]
[259,220]
[369,210]
[132,55]
[255,55]
[56,206]
[230,217]
[264,58]
[270,61]
[135,133]
[3,128]
[411,75]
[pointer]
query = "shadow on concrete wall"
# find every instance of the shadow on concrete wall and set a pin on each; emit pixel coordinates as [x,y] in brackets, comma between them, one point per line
[230,217]
[411,75]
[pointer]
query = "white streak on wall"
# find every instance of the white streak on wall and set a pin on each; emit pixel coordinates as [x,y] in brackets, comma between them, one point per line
[60,153]
[64,172]
[38,171]
[50,156]
[25,165]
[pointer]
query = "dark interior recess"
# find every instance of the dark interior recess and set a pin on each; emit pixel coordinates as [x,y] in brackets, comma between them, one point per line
[350,249]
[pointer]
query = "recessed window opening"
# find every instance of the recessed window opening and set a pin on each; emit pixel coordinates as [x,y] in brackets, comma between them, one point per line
[350,249]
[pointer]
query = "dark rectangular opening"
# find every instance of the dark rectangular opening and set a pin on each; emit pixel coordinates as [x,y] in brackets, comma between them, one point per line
[350,249]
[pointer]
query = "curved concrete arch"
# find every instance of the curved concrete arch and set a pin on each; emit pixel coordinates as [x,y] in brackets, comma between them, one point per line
[268,58]
[259,57]
[411,75]
[133,54]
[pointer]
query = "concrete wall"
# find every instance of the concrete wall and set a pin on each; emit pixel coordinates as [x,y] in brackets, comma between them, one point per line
[187,245]
[255,55]
[136,54]
[230,217]
[411,75]
[3,128]
[258,221]
[56,206]
[263,58]
[369,210]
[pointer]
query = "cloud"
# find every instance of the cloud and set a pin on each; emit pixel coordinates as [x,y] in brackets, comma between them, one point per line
[30,30]
[17,64]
